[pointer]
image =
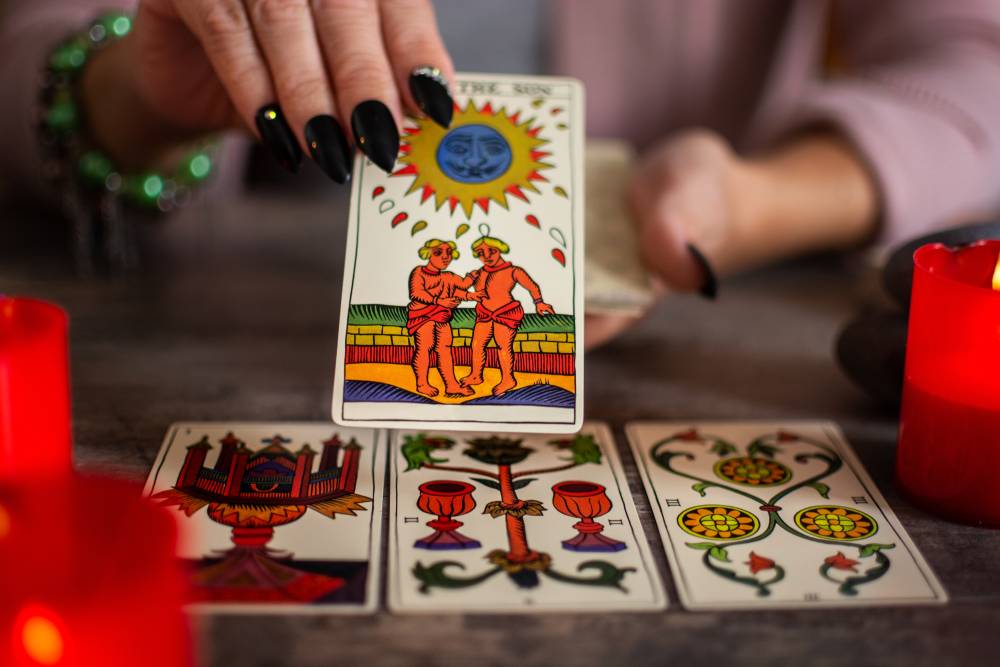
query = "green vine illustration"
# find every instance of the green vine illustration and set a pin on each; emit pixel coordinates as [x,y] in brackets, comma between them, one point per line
[709,520]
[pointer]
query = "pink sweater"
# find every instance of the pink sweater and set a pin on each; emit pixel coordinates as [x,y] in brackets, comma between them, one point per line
[914,84]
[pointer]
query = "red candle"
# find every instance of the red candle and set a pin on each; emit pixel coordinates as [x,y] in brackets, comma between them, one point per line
[88,576]
[35,435]
[949,435]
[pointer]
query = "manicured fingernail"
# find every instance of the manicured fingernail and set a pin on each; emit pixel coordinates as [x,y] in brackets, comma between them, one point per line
[430,91]
[375,133]
[328,147]
[278,137]
[710,285]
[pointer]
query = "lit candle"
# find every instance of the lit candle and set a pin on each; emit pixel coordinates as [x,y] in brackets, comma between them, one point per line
[35,435]
[949,436]
[88,577]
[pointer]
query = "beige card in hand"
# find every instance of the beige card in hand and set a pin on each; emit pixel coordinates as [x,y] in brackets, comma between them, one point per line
[515,523]
[275,518]
[617,283]
[770,514]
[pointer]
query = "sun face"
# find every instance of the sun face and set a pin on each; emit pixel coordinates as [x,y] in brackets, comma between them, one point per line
[484,156]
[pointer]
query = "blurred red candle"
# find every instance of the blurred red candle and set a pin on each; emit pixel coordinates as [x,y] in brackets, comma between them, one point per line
[35,434]
[948,460]
[88,577]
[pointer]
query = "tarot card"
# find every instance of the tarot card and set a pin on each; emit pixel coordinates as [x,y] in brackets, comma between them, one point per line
[515,523]
[770,514]
[617,283]
[463,280]
[276,517]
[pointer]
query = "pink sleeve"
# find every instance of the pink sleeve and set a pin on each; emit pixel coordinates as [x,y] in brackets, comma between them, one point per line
[918,94]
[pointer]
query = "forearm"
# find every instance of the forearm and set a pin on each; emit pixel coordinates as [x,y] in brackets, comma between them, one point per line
[811,194]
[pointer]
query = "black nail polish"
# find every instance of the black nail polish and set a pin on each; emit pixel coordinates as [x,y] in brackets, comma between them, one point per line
[278,137]
[430,91]
[710,286]
[375,133]
[328,147]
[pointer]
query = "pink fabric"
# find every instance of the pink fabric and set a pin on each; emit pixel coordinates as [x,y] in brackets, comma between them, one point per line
[919,93]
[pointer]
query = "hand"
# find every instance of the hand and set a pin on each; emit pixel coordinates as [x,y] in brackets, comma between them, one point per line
[197,66]
[449,301]
[543,308]
[691,189]
[475,296]
[809,194]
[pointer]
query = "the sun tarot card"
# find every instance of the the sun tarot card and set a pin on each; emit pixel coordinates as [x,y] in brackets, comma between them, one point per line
[463,283]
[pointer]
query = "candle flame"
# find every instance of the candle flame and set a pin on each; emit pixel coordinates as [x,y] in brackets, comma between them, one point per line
[42,640]
[996,275]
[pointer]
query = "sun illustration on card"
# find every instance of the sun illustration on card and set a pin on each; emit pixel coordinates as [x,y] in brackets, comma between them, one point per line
[486,155]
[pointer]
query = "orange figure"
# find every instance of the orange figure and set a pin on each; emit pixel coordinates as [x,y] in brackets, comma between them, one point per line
[434,295]
[498,313]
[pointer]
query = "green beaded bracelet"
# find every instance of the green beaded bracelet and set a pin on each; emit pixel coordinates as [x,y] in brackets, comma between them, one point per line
[62,128]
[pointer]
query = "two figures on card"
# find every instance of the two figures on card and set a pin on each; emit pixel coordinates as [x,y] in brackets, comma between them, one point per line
[435,293]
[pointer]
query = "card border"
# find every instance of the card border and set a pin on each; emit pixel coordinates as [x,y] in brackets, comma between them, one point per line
[832,430]
[372,585]
[577,100]
[603,430]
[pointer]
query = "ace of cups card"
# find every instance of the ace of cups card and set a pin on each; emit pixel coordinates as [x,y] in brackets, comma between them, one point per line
[463,294]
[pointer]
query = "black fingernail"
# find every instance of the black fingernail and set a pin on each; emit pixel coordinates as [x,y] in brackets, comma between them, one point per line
[328,147]
[430,91]
[710,286]
[278,137]
[375,133]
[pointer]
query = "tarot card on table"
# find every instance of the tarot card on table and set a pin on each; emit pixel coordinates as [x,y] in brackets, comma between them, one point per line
[775,515]
[515,523]
[463,282]
[276,517]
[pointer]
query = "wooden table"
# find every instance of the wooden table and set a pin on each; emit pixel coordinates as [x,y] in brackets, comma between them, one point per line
[235,318]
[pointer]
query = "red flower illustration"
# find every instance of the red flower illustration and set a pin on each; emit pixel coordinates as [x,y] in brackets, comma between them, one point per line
[785,436]
[758,563]
[841,562]
[690,435]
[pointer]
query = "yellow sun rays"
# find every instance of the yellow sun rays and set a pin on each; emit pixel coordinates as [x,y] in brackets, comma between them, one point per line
[419,157]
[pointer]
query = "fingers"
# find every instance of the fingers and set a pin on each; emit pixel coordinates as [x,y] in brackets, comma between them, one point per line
[662,242]
[420,62]
[666,207]
[287,37]
[293,67]
[224,31]
[351,38]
